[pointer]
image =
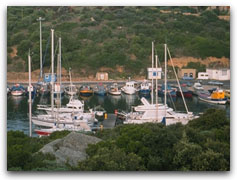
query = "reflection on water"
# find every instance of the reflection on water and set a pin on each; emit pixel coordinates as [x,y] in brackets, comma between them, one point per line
[17,107]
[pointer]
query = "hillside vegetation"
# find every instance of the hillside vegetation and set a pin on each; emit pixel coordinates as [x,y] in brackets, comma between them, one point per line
[201,145]
[116,38]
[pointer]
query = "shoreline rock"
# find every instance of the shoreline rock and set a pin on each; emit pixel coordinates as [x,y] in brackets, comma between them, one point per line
[70,149]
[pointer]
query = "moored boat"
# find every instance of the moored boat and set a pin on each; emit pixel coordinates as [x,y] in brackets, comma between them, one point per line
[158,113]
[170,91]
[197,86]
[130,87]
[100,90]
[74,105]
[187,93]
[145,89]
[114,90]
[71,90]
[216,97]
[49,131]
[17,90]
[86,90]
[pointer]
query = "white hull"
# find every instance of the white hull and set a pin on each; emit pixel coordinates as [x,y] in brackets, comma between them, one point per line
[16,93]
[155,113]
[213,102]
[170,118]
[116,93]
[60,123]
[63,120]
[61,110]
[129,90]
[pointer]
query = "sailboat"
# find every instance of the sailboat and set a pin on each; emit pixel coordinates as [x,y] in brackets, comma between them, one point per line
[158,113]
[55,120]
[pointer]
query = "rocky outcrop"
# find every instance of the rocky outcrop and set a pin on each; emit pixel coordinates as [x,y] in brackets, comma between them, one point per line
[71,148]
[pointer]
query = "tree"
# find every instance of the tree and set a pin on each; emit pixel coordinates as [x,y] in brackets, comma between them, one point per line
[210,161]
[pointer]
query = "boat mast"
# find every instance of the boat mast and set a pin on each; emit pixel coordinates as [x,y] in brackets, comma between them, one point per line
[52,67]
[156,89]
[152,66]
[165,72]
[70,87]
[29,91]
[41,64]
[59,75]
[60,67]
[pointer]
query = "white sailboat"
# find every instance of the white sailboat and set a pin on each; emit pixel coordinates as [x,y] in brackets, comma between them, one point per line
[74,106]
[63,121]
[157,113]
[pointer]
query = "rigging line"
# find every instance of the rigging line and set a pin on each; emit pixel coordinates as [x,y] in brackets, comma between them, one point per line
[177,81]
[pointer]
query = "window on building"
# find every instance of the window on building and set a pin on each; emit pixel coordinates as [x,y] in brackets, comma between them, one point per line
[190,74]
[185,74]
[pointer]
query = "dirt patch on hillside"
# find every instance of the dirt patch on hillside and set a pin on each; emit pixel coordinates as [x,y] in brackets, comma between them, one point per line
[14,52]
[183,61]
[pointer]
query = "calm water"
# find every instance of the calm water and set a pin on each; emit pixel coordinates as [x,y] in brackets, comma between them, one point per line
[17,107]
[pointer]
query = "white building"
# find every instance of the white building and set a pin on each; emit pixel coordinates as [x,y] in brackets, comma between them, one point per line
[219,74]
[203,75]
[156,73]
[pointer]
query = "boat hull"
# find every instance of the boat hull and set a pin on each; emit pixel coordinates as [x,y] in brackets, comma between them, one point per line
[145,92]
[213,101]
[115,93]
[186,94]
[17,93]
[102,93]
[86,93]
[129,91]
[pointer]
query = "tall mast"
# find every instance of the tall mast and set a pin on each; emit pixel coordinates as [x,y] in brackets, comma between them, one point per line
[165,72]
[60,71]
[29,91]
[152,65]
[156,81]
[52,75]
[70,79]
[157,106]
[41,63]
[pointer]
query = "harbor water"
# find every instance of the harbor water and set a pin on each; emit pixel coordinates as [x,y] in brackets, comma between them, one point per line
[17,106]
